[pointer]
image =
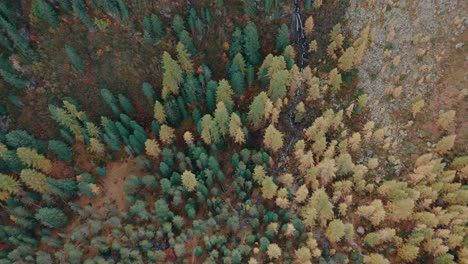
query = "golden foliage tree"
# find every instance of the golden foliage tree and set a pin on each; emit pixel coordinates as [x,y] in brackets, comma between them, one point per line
[224,93]
[446,119]
[346,61]
[335,230]
[268,188]
[184,58]
[96,147]
[445,144]
[189,181]
[172,75]
[273,139]
[31,158]
[152,148]
[8,184]
[274,251]
[321,203]
[309,25]
[159,113]
[34,180]
[166,134]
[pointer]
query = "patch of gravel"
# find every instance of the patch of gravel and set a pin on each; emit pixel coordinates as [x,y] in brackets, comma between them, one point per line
[422,30]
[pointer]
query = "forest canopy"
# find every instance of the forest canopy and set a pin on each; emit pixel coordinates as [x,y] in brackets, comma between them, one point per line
[213,132]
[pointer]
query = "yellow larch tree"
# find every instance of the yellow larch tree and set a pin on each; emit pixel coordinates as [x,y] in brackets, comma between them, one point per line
[152,148]
[31,158]
[159,113]
[189,180]
[166,134]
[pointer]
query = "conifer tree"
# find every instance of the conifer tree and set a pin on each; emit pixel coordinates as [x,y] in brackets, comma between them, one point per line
[21,44]
[79,10]
[274,251]
[236,42]
[166,134]
[446,119]
[152,148]
[251,44]
[334,79]
[374,258]
[110,100]
[282,38]
[159,113]
[237,80]
[96,147]
[62,150]
[191,89]
[75,60]
[45,11]
[346,61]
[249,8]
[224,93]
[277,88]
[221,117]
[186,39]
[172,75]
[335,230]
[8,184]
[126,104]
[235,123]
[172,110]
[303,255]
[64,188]
[189,181]
[321,203]
[206,124]
[184,59]
[256,110]
[273,138]
[148,91]
[178,24]
[289,55]
[301,193]
[52,217]
[20,138]
[123,10]
[157,26]
[309,25]
[268,188]
[445,144]
[211,91]
[34,180]
[31,158]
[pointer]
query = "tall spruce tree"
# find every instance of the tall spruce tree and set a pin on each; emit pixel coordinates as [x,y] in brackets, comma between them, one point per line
[236,42]
[46,12]
[282,38]
[251,44]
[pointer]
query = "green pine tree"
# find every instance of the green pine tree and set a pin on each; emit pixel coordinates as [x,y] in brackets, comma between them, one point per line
[52,217]
[282,38]
[62,150]
[236,43]
[75,60]
[46,12]
[251,44]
